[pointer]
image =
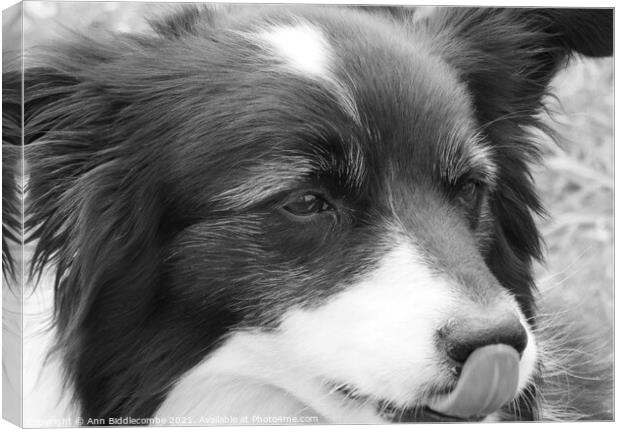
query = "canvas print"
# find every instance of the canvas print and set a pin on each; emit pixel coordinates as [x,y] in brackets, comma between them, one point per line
[259,214]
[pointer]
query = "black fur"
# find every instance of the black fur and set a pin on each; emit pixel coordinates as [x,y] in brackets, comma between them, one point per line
[135,145]
[11,191]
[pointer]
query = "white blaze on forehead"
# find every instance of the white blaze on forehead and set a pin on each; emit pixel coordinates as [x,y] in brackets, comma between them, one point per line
[304,49]
[303,46]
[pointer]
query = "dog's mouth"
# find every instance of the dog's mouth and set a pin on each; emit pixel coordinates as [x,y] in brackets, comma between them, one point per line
[488,380]
[391,412]
[423,414]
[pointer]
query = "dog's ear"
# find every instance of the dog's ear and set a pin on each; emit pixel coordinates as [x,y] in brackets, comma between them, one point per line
[585,31]
[507,57]
[90,206]
[93,208]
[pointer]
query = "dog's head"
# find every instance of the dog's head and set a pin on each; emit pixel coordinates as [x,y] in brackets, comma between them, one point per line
[335,202]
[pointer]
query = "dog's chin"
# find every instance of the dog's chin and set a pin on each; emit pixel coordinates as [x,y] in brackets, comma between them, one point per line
[422,414]
[388,411]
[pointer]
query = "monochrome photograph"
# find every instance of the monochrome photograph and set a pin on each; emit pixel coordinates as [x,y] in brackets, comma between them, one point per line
[227,214]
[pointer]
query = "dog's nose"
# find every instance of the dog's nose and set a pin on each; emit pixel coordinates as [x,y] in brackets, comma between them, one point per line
[463,337]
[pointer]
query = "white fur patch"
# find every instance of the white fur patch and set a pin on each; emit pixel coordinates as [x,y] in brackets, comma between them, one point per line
[378,334]
[303,49]
[302,46]
[527,366]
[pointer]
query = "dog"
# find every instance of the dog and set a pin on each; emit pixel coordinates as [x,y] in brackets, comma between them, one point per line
[296,214]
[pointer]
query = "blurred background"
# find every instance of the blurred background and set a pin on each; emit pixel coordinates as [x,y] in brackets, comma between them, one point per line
[576,180]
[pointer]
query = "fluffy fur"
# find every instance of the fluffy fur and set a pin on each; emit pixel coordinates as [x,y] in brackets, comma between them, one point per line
[236,227]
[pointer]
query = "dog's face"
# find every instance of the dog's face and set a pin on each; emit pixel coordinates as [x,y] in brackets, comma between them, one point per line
[356,221]
[332,203]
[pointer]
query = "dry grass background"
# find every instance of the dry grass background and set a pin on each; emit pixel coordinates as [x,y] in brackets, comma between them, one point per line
[575,181]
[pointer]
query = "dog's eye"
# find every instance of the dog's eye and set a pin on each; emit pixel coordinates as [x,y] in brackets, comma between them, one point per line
[469,192]
[470,196]
[307,205]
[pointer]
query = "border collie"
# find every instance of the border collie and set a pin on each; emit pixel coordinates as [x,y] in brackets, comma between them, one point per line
[271,211]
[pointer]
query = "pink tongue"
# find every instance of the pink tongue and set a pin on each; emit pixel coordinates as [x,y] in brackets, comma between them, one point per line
[489,379]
